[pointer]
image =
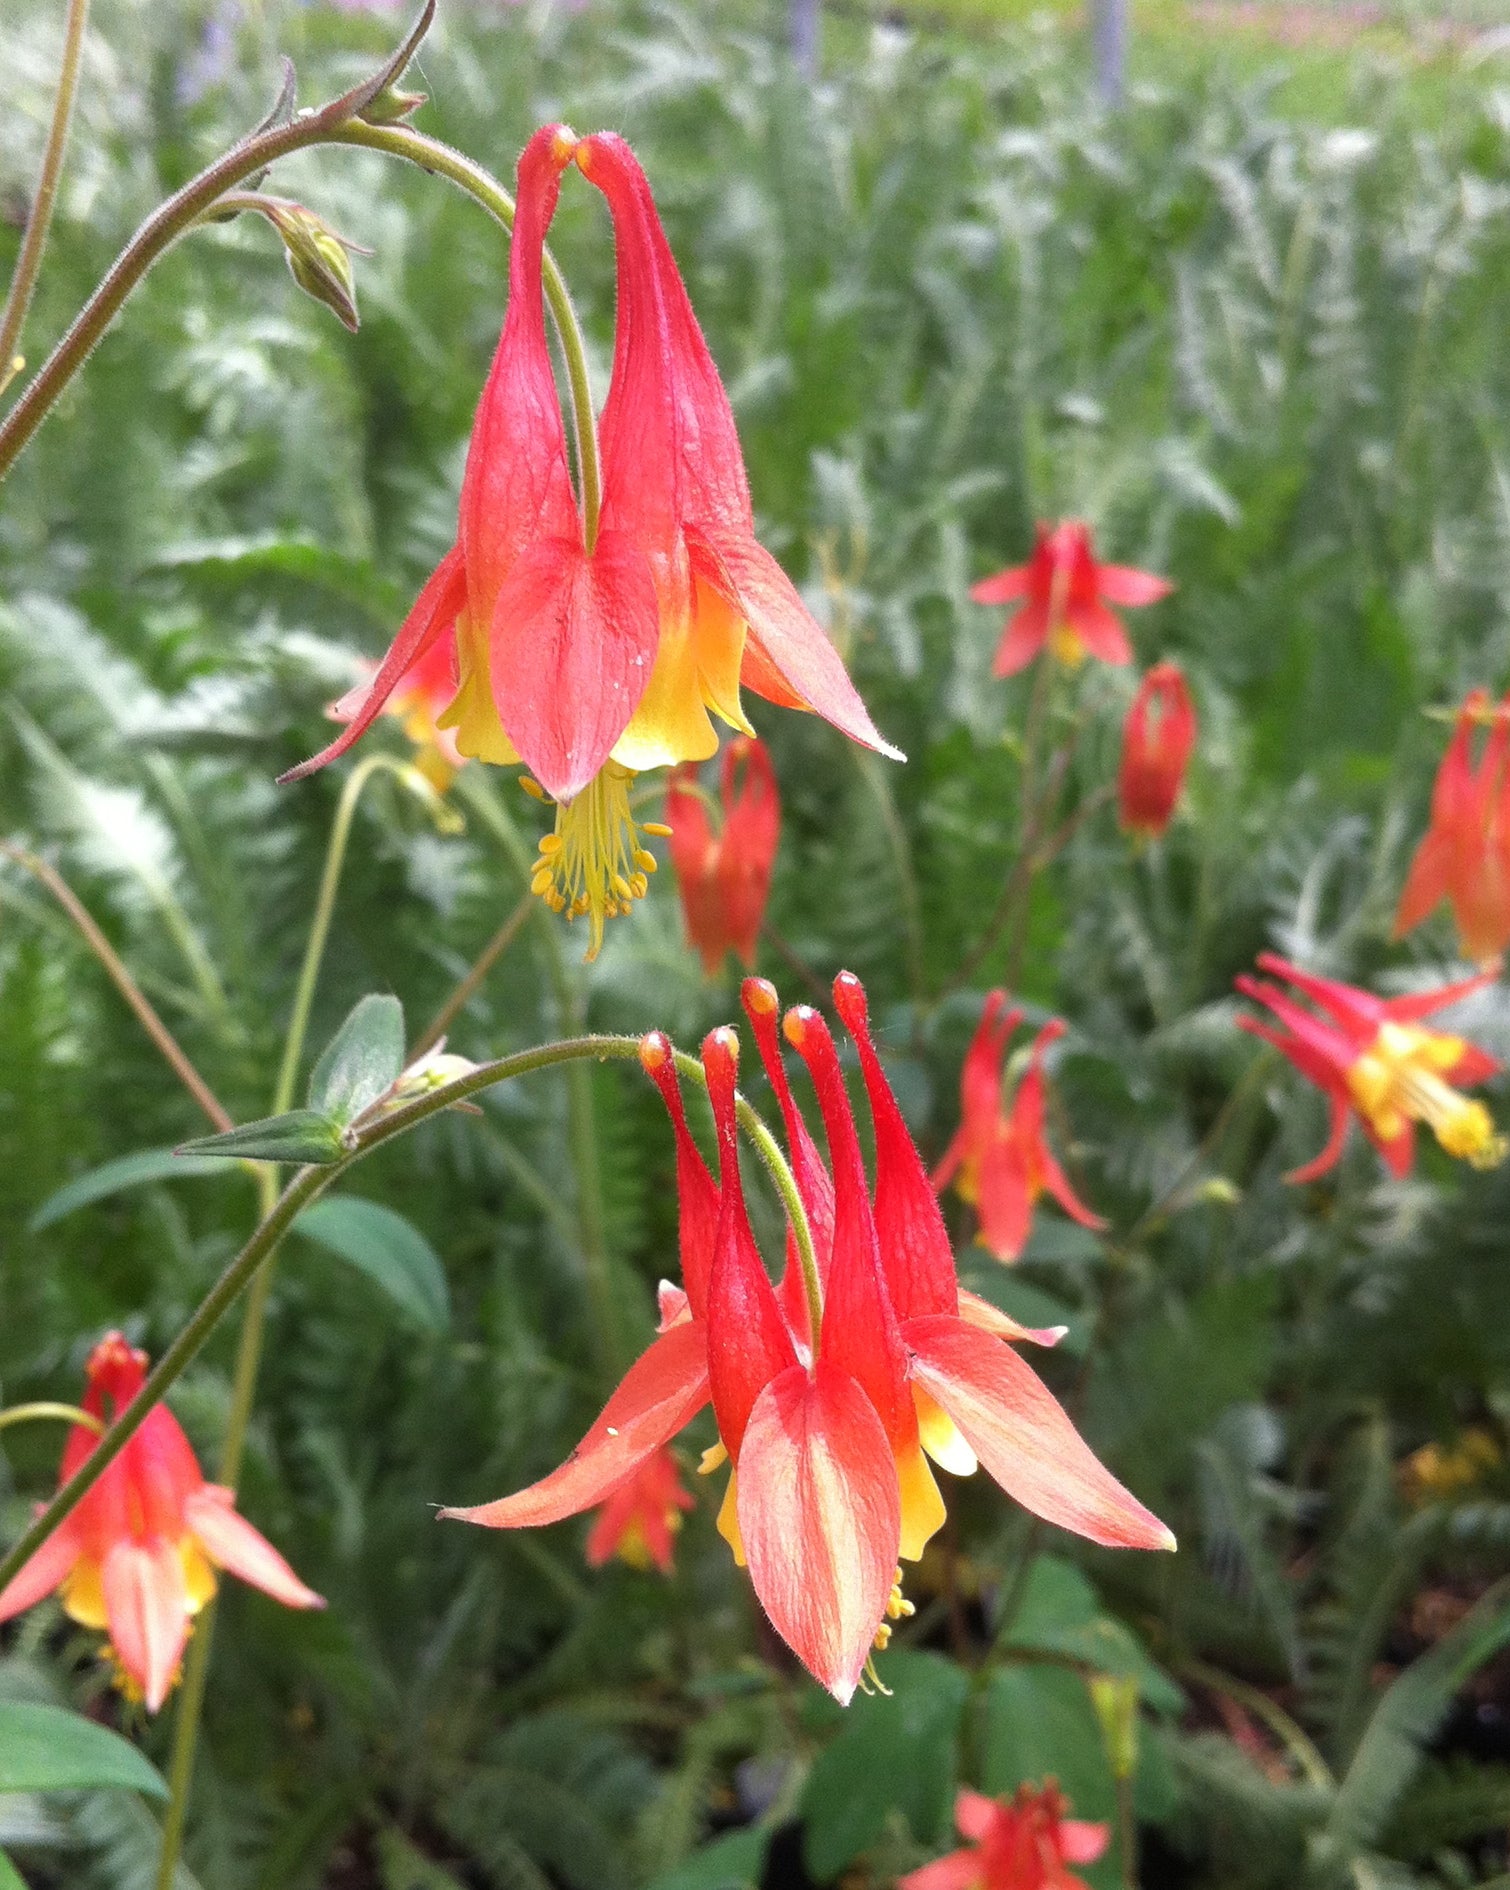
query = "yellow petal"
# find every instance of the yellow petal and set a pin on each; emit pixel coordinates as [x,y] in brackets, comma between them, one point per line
[923,1509]
[728,1520]
[941,1436]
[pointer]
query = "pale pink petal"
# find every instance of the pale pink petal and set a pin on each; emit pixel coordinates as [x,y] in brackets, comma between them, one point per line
[233,1544]
[147,1606]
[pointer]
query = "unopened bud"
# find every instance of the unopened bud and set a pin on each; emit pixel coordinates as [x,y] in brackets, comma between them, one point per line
[319,260]
[391,106]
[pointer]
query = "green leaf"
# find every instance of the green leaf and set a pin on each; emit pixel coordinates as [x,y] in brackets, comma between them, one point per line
[734,1862]
[10,1877]
[127,1171]
[1410,1711]
[1061,1614]
[45,1749]
[302,1135]
[896,1753]
[392,1253]
[361,1061]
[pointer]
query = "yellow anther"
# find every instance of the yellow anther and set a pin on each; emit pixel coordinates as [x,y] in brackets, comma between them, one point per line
[657,827]
[533,788]
[1400,1079]
[591,864]
[645,860]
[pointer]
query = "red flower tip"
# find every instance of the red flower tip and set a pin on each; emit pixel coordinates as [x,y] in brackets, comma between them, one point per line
[1158,739]
[655,1054]
[758,996]
[851,1002]
[797,1023]
[116,1370]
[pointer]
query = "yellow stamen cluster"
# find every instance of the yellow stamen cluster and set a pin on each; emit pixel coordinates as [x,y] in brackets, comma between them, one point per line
[594,863]
[1399,1079]
[898,1608]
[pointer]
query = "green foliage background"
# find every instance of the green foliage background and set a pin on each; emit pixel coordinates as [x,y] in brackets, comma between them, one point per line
[949,295]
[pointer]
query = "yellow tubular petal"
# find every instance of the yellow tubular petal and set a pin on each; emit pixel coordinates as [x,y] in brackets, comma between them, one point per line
[923,1509]
[941,1436]
[728,1520]
[83,1595]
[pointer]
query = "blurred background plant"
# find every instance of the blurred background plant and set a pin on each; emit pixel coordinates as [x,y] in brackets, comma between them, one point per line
[1251,327]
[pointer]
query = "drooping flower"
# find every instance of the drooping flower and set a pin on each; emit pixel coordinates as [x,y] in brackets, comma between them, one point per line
[589,654]
[1067,597]
[724,874]
[1020,1843]
[1465,855]
[975,1398]
[640,1520]
[999,1159]
[137,1557]
[1158,739]
[419,699]
[1374,1059]
[821,1412]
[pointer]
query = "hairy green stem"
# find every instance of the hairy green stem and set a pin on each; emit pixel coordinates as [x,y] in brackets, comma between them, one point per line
[39,221]
[254,1319]
[335,123]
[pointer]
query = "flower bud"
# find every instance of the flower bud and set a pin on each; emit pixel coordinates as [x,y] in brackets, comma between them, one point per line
[318,259]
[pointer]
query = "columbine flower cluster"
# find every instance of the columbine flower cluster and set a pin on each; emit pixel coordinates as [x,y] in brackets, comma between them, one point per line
[835,1389]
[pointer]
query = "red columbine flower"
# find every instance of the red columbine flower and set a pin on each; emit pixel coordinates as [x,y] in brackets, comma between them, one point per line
[1465,856]
[1000,1160]
[1373,1058]
[974,1397]
[1067,595]
[724,877]
[588,660]
[420,698]
[137,1557]
[1018,1843]
[1158,739]
[640,1520]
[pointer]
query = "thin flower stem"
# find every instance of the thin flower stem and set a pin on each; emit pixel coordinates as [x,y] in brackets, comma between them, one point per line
[1127,1831]
[122,979]
[335,123]
[431,154]
[46,1408]
[793,959]
[307,1185]
[319,927]
[473,982]
[254,1319]
[39,221]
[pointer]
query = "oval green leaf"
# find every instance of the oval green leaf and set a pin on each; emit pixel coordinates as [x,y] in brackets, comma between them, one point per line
[391,1251]
[126,1171]
[45,1749]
